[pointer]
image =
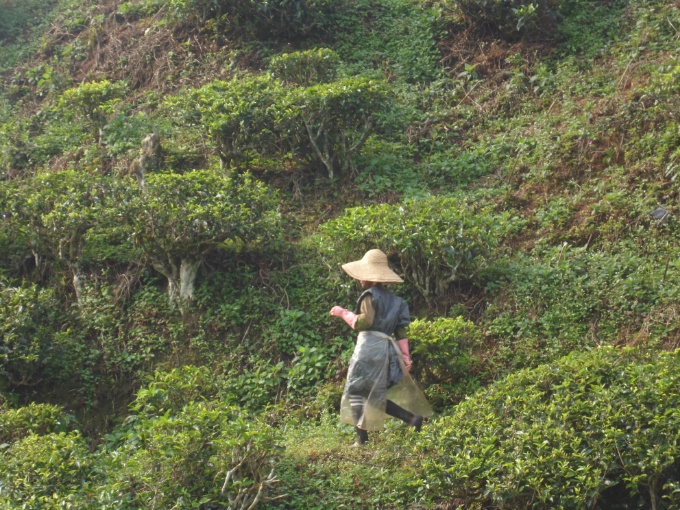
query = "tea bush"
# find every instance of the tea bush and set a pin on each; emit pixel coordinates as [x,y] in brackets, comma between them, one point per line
[46,471]
[446,359]
[30,318]
[306,68]
[260,122]
[38,419]
[584,432]
[437,240]
[178,219]
[169,392]
[241,116]
[184,447]
[92,103]
[505,18]
[287,20]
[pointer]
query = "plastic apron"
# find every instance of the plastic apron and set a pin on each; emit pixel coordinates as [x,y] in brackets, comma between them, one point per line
[376,373]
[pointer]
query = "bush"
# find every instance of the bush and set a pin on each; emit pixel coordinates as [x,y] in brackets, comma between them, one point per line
[445,359]
[338,118]
[27,329]
[92,103]
[506,17]
[437,240]
[169,392]
[240,115]
[588,430]
[178,219]
[261,19]
[184,447]
[306,68]
[39,419]
[46,472]
[259,122]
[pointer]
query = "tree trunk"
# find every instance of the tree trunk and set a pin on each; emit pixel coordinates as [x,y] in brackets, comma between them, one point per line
[77,283]
[181,278]
[169,269]
[188,270]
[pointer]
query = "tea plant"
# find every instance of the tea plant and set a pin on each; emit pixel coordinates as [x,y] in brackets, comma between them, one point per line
[582,432]
[446,358]
[438,240]
[208,212]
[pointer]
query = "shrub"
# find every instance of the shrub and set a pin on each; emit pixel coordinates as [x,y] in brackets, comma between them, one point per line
[183,447]
[583,432]
[437,240]
[93,103]
[256,386]
[169,392]
[29,315]
[445,358]
[178,219]
[40,419]
[311,366]
[45,471]
[505,17]
[262,19]
[241,116]
[339,117]
[306,68]
[257,121]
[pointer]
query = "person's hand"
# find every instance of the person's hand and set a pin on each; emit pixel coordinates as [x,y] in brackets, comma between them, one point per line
[337,311]
[349,317]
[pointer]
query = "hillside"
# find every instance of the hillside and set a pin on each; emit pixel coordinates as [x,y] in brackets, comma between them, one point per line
[182,179]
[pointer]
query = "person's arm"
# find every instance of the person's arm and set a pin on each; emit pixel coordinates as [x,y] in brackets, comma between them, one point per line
[366,314]
[361,322]
[401,334]
[405,353]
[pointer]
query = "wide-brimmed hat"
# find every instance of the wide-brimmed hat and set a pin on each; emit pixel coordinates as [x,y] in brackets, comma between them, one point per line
[372,268]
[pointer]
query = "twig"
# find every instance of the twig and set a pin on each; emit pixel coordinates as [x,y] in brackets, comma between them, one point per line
[270,480]
[246,333]
[564,245]
[230,473]
[624,73]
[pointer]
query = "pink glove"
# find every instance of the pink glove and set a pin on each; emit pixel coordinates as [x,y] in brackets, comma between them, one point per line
[405,354]
[349,317]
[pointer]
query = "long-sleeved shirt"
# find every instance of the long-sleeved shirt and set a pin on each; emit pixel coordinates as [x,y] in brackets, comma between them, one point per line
[366,317]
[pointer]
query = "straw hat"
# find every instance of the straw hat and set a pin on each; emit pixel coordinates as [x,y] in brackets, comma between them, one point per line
[372,268]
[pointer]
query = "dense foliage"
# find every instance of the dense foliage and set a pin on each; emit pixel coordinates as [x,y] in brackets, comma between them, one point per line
[181,180]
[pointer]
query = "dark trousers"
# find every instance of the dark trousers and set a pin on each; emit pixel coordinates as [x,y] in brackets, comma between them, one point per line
[391,408]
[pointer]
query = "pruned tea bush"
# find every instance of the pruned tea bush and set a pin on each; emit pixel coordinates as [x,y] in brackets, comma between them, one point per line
[437,240]
[589,429]
[507,18]
[263,19]
[445,357]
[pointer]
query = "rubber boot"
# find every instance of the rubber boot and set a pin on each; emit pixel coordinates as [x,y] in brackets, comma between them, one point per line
[406,416]
[362,435]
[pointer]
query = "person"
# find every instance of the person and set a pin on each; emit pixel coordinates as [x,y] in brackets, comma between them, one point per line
[378,381]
